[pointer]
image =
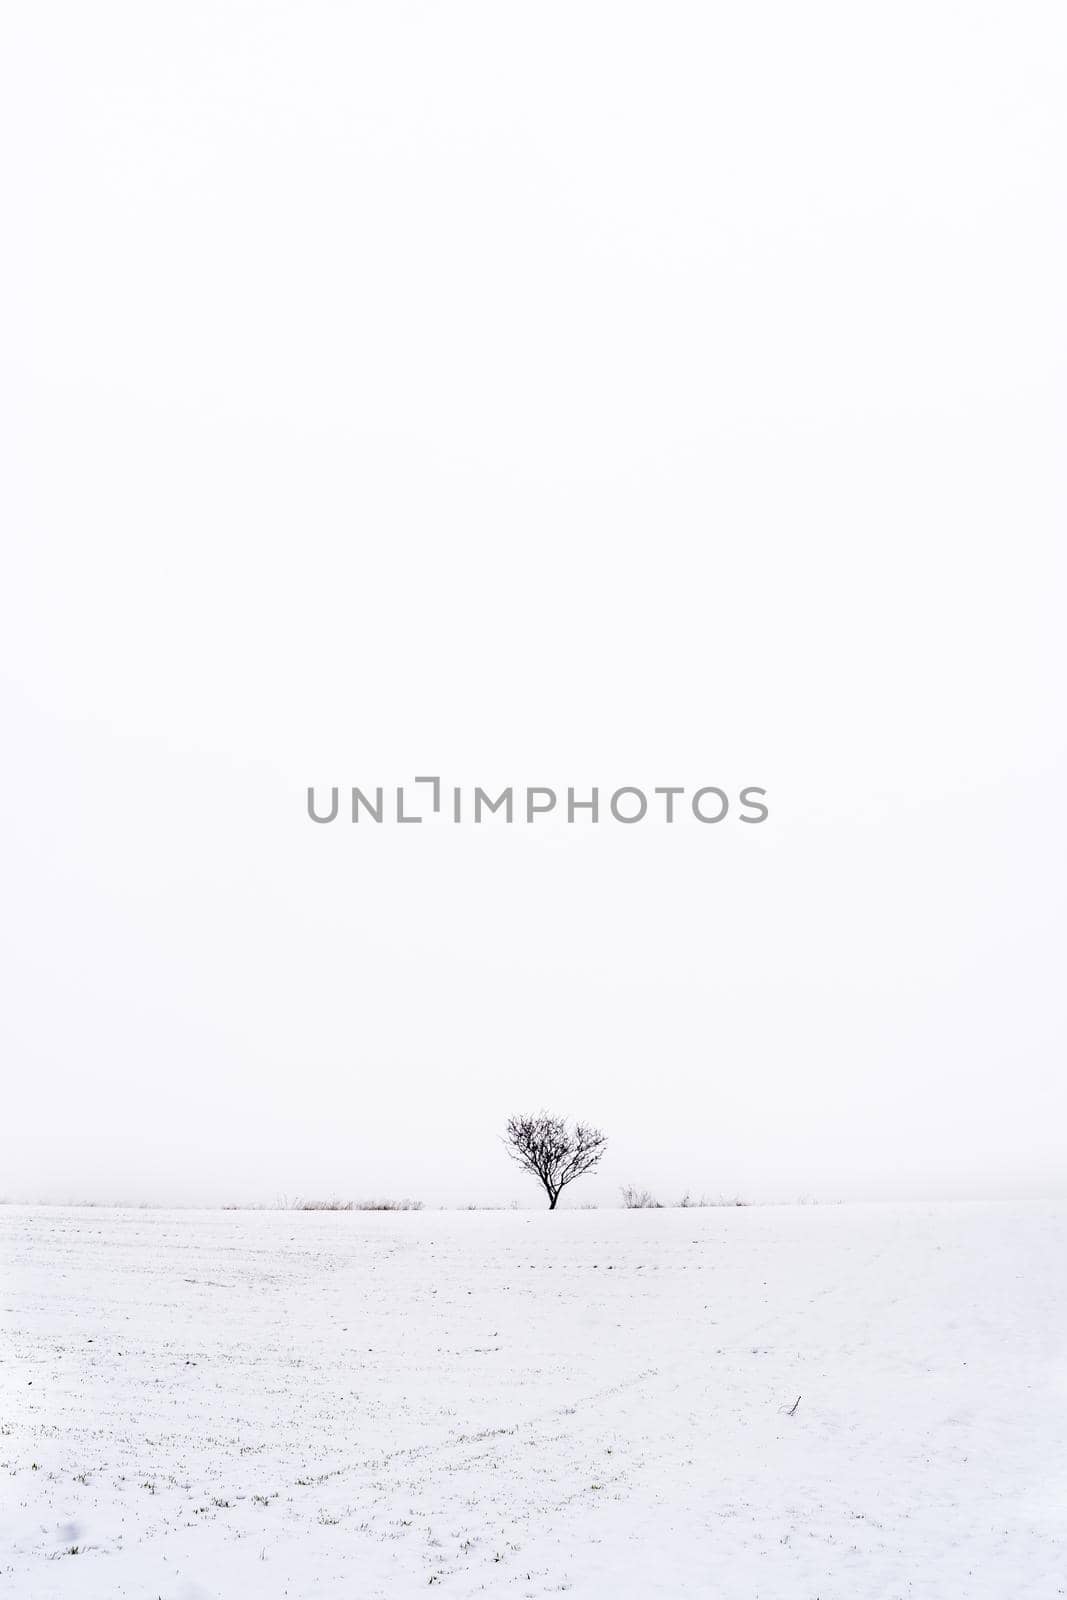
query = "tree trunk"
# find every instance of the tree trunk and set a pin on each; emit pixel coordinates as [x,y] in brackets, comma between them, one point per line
[552,1198]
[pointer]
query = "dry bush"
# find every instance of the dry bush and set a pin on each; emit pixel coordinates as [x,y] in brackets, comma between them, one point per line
[635,1199]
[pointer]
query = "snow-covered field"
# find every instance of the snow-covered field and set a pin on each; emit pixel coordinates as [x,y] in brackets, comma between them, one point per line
[268,1404]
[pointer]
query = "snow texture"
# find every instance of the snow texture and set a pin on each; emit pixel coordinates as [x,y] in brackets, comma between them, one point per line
[216,1405]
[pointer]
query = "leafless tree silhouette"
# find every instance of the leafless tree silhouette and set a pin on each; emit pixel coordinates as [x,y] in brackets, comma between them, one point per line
[544,1146]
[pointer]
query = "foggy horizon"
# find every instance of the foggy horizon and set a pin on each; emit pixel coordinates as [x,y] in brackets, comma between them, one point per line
[377,415]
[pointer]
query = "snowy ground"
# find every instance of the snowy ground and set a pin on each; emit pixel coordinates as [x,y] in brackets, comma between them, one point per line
[267,1404]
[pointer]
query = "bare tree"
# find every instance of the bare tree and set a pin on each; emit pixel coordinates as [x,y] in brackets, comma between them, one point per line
[554,1154]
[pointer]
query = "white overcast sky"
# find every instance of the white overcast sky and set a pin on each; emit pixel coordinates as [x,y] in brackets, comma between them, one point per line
[557,394]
